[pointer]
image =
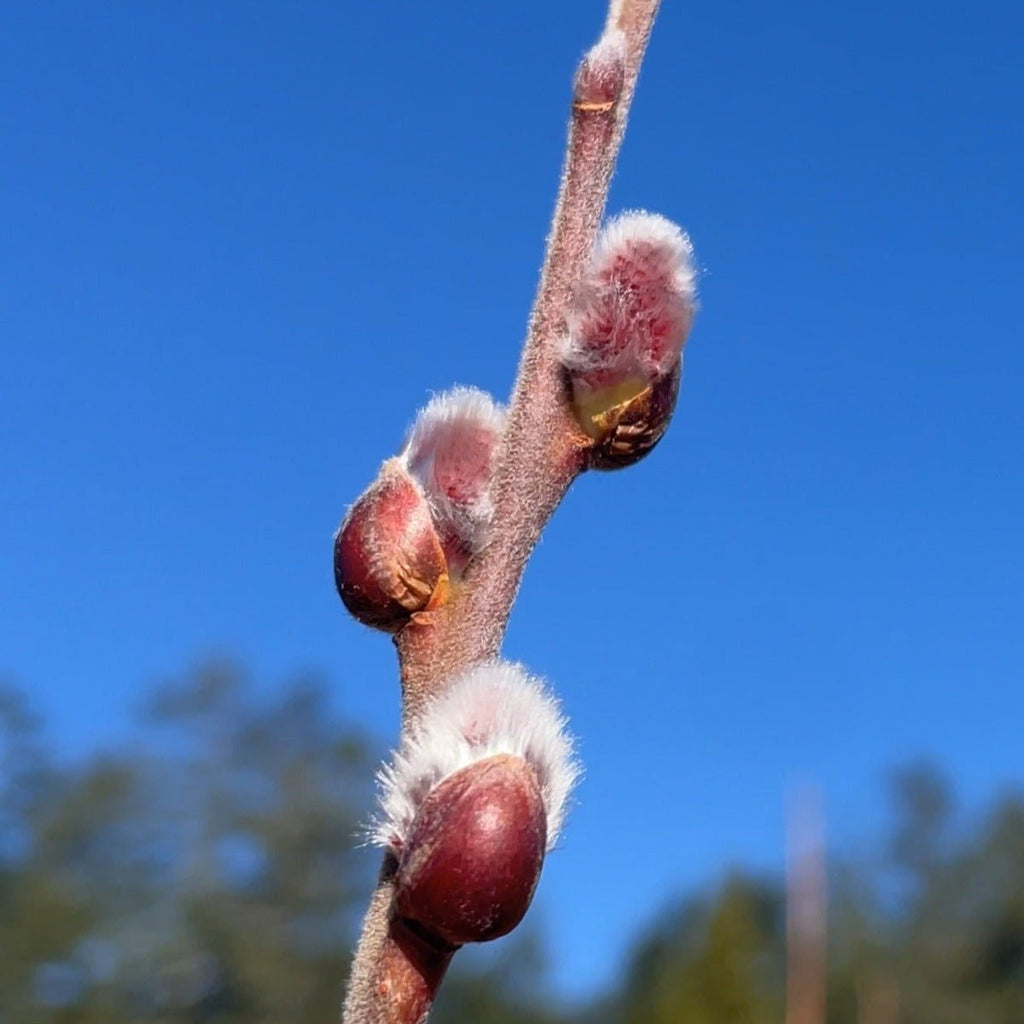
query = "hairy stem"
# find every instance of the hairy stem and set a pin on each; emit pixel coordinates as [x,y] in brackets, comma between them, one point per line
[543,449]
[394,975]
[396,972]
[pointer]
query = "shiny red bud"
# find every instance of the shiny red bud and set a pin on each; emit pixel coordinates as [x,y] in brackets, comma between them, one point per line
[626,423]
[388,560]
[474,852]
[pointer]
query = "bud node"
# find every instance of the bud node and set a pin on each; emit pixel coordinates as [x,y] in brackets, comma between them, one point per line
[601,74]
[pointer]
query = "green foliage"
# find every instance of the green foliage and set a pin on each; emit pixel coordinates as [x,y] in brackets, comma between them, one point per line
[713,961]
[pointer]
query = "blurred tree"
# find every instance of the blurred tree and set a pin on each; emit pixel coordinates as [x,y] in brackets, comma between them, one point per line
[42,916]
[716,961]
[206,874]
[960,948]
[994,889]
[923,807]
[935,933]
[503,985]
[266,803]
[932,933]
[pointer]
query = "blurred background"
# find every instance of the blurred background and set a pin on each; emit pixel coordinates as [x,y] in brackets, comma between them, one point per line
[243,242]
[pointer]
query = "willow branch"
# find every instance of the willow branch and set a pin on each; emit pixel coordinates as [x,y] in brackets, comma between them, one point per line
[395,973]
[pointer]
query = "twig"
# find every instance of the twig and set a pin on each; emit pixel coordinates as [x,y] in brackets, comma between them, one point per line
[395,974]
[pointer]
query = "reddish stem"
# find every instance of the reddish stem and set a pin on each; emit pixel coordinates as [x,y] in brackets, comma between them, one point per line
[395,978]
[397,972]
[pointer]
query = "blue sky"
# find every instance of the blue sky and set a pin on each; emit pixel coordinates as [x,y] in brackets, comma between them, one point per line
[242,243]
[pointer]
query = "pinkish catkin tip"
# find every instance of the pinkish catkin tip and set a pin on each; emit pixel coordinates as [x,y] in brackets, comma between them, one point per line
[451,453]
[634,306]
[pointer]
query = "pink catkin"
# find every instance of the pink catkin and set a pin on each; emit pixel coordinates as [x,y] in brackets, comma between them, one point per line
[463,461]
[451,453]
[634,307]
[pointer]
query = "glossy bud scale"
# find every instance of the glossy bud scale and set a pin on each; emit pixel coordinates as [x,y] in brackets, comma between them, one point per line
[388,560]
[473,856]
[628,420]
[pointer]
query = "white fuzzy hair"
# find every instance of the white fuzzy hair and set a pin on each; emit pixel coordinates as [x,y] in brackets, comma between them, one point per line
[438,424]
[655,230]
[457,403]
[632,227]
[495,708]
[609,49]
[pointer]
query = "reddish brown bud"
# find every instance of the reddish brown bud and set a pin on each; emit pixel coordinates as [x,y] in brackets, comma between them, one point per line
[388,560]
[627,421]
[473,855]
